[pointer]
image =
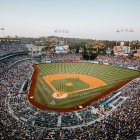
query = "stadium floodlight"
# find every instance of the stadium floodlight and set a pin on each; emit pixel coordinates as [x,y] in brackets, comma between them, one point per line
[67,31]
[59,31]
[125,30]
[117,30]
[55,31]
[130,30]
[62,31]
[2,28]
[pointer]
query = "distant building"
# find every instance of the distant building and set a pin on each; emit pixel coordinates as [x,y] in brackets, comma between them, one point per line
[121,50]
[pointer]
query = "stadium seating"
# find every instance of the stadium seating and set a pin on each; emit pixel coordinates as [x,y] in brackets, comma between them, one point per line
[19,120]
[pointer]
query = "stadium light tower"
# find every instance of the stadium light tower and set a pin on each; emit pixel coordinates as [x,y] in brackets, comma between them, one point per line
[65,37]
[130,31]
[2,28]
[58,32]
[62,32]
[124,30]
[67,31]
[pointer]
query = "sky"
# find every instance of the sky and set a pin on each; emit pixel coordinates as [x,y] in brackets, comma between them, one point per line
[89,19]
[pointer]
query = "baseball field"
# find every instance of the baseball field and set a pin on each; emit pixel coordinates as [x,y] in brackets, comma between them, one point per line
[66,86]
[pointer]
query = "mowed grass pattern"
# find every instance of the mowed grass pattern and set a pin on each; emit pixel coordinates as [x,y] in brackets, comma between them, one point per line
[111,75]
[77,84]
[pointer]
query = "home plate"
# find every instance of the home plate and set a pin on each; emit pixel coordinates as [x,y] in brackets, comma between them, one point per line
[59,95]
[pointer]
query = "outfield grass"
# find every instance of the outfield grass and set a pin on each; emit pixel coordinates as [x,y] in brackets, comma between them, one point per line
[111,75]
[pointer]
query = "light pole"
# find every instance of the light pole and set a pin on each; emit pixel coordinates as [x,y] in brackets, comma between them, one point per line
[2,28]
[125,31]
[55,31]
[58,31]
[63,31]
[66,37]
[130,30]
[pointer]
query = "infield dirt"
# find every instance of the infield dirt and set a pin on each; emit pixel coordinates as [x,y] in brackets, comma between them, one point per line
[92,81]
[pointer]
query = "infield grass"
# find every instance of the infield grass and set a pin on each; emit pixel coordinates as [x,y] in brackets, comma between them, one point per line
[76,84]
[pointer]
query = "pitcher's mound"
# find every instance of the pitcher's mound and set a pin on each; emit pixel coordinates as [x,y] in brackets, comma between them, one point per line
[69,84]
[59,95]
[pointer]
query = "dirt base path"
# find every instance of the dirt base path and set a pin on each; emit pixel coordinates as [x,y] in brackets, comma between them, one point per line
[91,81]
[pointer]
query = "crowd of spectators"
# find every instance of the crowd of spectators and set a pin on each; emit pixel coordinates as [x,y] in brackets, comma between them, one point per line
[8,48]
[9,125]
[6,63]
[19,120]
[119,60]
[62,57]
[70,119]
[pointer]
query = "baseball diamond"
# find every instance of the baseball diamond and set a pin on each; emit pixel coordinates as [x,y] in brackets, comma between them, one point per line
[71,85]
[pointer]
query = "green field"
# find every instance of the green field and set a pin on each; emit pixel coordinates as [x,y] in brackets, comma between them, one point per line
[111,75]
[77,84]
